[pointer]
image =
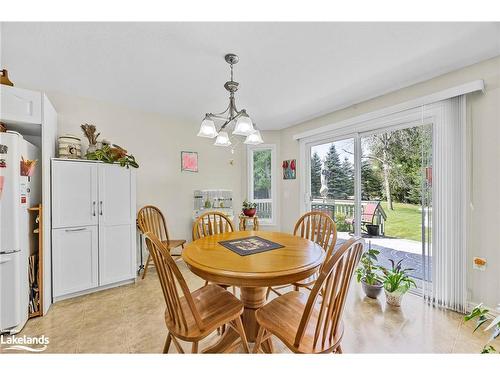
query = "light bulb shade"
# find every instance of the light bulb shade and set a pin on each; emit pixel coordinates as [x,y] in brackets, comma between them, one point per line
[244,126]
[222,140]
[207,128]
[254,139]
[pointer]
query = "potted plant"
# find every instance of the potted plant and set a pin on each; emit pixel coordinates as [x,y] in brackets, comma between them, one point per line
[368,274]
[396,282]
[249,208]
[482,315]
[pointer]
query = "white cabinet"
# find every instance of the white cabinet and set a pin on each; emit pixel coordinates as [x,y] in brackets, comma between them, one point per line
[90,196]
[75,259]
[74,187]
[116,217]
[20,106]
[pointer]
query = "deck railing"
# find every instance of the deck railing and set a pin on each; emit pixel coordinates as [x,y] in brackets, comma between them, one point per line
[344,207]
[264,208]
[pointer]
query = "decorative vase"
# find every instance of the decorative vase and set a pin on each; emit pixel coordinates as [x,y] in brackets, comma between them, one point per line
[91,148]
[249,212]
[69,147]
[394,298]
[372,291]
[4,78]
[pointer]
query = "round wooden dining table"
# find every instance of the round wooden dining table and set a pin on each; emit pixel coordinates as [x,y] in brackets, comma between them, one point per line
[297,259]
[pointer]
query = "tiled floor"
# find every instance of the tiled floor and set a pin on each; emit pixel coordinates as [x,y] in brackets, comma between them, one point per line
[129,319]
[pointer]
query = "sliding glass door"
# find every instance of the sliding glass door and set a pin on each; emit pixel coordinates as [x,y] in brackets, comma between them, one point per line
[378,184]
[332,183]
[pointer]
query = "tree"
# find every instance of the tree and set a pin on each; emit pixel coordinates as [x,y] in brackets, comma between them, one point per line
[346,178]
[262,174]
[399,154]
[370,179]
[315,175]
[333,172]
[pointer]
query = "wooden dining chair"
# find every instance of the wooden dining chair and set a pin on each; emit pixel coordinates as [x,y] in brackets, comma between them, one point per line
[310,322]
[319,228]
[151,219]
[210,223]
[193,316]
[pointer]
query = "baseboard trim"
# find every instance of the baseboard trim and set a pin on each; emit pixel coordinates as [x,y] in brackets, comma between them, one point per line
[93,290]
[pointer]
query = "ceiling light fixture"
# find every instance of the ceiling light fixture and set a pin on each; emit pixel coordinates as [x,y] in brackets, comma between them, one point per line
[231,117]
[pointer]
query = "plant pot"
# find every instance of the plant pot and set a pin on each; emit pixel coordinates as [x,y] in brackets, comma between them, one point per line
[372,291]
[250,212]
[372,229]
[394,298]
[91,148]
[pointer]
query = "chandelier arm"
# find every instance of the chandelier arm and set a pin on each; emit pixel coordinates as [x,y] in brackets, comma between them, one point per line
[229,120]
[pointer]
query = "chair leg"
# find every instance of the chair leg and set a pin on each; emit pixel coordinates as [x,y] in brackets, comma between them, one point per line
[206,283]
[177,345]
[146,267]
[167,343]
[296,288]
[268,293]
[338,350]
[234,290]
[194,348]
[241,331]
[269,343]
[258,341]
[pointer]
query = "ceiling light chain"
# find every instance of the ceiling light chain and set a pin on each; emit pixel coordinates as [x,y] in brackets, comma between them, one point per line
[242,123]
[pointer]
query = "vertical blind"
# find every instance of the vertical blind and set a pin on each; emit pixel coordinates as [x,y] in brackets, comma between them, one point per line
[448,206]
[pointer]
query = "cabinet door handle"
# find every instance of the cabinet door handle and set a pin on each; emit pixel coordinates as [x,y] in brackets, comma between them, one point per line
[100,203]
[93,208]
[75,230]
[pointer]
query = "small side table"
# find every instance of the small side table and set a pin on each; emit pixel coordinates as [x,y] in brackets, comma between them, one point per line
[244,219]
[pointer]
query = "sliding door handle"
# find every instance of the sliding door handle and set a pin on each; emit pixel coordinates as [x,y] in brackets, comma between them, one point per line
[100,204]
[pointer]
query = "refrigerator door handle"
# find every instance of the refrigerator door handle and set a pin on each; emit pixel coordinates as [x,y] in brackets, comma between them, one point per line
[101,208]
[93,208]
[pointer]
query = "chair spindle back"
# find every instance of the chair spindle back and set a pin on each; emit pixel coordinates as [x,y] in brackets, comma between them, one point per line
[320,228]
[333,284]
[211,223]
[171,281]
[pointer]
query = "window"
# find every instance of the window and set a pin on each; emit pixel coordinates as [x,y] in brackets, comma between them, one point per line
[261,185]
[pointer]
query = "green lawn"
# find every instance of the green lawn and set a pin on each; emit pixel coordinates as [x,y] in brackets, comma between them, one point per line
[405,221]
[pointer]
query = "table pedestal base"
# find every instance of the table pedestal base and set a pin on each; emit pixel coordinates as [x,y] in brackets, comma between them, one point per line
[253,299]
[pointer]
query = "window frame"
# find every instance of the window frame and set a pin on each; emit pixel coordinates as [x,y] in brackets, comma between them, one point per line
[250,182]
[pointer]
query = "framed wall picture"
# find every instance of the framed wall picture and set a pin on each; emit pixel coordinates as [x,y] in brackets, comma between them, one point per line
[289,170]
[189,161]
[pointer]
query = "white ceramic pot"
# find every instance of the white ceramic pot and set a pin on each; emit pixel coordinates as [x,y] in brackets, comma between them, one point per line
[393,298]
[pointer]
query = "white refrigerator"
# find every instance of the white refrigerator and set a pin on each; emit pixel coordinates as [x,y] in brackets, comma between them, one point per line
[17,194]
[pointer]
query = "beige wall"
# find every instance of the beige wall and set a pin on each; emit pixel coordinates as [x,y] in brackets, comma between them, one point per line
[484,166]
[156,142]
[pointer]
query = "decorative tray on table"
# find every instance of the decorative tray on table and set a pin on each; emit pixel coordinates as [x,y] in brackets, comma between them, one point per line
[250,245]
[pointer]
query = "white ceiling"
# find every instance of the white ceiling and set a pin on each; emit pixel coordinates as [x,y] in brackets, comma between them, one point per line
[288,72]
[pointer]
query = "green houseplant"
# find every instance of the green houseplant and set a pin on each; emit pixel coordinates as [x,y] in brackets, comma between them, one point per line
[249,208]
[368,273]
[396,282]
[481,314]
[114,154]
